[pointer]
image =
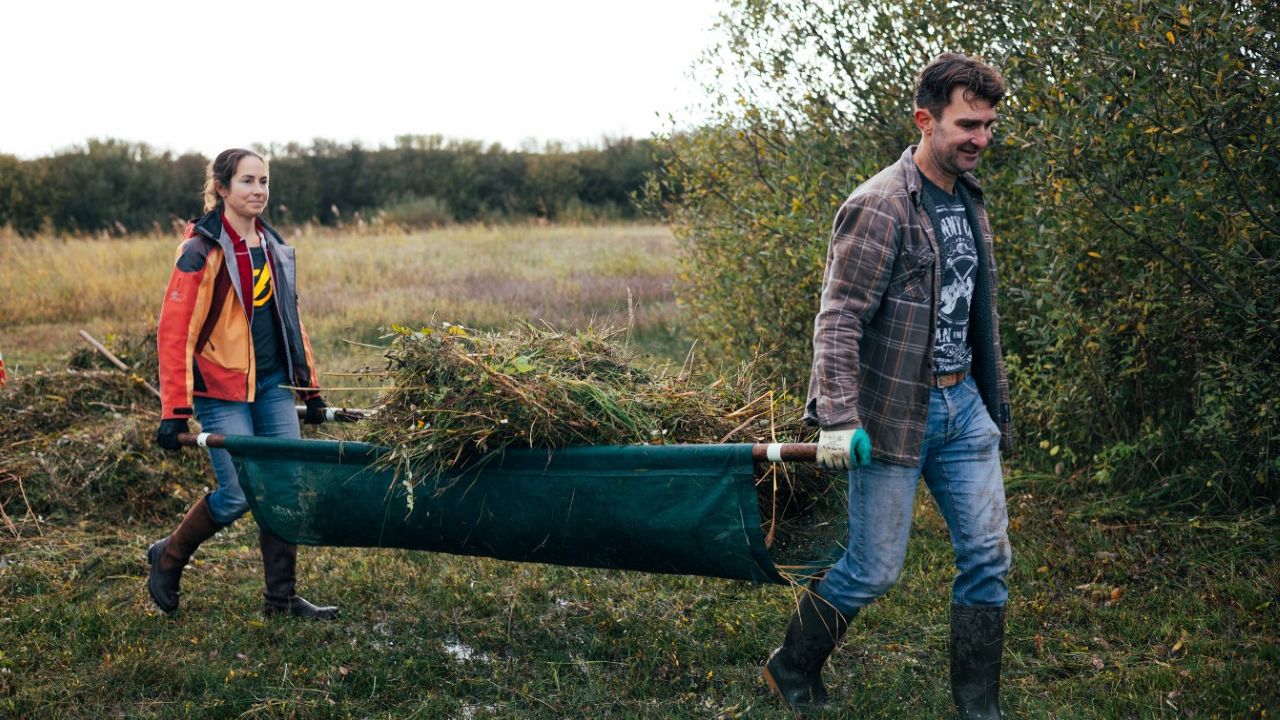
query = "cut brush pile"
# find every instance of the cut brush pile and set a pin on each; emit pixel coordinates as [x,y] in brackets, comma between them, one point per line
[78,444]
[458,396]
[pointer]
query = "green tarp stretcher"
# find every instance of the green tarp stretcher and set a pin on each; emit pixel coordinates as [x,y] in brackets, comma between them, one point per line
[685,509]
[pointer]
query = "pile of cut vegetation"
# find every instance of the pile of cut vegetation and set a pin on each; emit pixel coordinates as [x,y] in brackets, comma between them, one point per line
[79,444]
[458,396]
[138,350]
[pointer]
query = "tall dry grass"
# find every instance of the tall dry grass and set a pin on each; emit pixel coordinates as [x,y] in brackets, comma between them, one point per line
[352,283]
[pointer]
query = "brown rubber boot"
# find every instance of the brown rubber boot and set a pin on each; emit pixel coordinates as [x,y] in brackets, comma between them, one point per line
[794,671]
[169,556]
[279,566]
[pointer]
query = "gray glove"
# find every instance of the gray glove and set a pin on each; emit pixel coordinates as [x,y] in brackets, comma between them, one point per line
[844,449]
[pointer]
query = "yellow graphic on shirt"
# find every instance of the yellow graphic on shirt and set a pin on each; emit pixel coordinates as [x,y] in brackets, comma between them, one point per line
[262,285]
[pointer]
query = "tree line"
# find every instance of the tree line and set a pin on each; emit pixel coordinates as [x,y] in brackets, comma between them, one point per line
[114,186]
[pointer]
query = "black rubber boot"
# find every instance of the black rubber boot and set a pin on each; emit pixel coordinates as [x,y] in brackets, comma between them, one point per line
[167,557]
[977,641]
[794,671]
[279,566]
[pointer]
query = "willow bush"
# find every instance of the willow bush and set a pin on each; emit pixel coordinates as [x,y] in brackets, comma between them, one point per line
[1133,190]
[1151,135]
[810,102]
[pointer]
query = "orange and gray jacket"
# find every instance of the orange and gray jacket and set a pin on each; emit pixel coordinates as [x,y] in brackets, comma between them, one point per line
[205,336]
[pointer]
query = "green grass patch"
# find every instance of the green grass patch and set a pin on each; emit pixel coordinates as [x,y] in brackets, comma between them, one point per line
[1150,619]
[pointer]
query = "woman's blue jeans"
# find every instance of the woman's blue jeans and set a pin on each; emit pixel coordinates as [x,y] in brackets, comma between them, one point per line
[960,462]
[271,414]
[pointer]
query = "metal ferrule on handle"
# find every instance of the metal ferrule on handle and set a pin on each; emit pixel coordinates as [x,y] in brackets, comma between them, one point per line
[203,440]
[335,414]
[784,452]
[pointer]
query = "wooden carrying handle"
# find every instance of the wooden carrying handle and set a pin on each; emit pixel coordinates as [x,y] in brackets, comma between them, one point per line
[760,452]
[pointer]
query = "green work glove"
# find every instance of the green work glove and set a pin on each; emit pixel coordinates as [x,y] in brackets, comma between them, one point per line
[844,449]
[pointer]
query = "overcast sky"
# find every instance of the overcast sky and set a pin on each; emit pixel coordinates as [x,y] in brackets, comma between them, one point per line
[208,75]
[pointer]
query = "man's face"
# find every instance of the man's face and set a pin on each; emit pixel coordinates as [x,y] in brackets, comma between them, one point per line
[960,136]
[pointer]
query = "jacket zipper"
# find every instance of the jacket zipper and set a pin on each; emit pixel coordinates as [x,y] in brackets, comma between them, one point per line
[275,301]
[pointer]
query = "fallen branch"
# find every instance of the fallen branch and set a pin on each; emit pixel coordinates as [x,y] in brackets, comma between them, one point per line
[116,361]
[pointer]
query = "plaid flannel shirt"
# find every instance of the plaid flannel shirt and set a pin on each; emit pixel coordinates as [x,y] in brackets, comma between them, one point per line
[873,336]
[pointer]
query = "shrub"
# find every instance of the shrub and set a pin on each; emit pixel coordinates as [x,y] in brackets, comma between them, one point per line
[1133,196]
[416,212]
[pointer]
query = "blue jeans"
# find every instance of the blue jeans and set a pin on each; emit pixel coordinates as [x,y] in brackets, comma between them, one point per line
[271,414]
[960,461]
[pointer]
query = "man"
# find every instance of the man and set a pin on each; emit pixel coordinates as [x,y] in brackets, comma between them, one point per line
[908,380]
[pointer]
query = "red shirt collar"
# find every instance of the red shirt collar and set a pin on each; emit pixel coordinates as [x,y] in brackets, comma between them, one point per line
[235,236]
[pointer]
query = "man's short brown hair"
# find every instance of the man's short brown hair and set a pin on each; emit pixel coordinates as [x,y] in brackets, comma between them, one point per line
[949,70]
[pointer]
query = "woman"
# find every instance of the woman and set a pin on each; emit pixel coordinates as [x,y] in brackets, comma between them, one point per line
[229,341]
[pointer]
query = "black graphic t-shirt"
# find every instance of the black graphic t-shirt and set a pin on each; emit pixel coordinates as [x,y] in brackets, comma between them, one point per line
[959,256]
[266,327]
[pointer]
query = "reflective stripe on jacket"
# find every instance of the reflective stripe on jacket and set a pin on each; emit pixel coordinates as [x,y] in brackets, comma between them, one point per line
[204,336]
[874,333]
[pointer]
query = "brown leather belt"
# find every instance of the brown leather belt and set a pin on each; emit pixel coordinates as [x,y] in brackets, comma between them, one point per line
[949,379]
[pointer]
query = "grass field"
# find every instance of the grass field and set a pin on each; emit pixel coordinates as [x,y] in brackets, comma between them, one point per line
[1111,615]
[353,284]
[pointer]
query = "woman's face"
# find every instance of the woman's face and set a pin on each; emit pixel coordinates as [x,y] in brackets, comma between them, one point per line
[247,195]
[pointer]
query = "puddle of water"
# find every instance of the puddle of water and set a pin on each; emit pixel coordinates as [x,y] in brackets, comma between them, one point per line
[460,652]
